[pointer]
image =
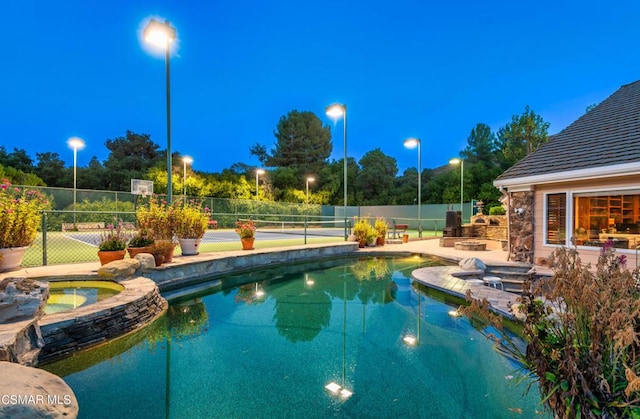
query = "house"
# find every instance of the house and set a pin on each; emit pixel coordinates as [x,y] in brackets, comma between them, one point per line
[582,185]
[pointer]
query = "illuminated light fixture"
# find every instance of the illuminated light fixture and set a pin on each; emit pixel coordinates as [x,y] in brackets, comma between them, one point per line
[185,160]
[159,34]
[335,112]
[461,162]
[258,173]
[162,35]
[76,144]
[454,313]
[413,143]
[410,340]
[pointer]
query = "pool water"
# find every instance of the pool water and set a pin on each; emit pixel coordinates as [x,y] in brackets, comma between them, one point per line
[304,341]
[67,295]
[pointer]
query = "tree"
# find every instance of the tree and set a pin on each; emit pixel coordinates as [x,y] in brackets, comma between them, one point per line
[523,135]
[51,169]
[130,158]
[302,143]
[18,159]
[375,181]
[481,166]
[260,152]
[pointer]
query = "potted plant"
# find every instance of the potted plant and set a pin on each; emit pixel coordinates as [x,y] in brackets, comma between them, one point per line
[140,243]
[159,218]
[160,249]
[380,226]
[20,217]
[246,230]
[192,221]
[362,230]
[113,242]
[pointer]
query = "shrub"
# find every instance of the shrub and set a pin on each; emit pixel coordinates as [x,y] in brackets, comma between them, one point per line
[497,210]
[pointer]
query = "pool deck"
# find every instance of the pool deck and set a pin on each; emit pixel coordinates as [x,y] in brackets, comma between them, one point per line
[439,278]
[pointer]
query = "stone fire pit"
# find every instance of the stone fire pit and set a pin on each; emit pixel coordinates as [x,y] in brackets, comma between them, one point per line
[473,246]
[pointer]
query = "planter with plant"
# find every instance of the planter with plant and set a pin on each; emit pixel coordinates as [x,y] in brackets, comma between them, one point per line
[160,249]
[140,243]
[113,242]
[158,218]
[246,230]
[363,231]
[381,227]
[20,217]
[192,221]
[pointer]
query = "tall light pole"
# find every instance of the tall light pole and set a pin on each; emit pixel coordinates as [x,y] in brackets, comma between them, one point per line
[456,161]
[258,173]
[76,144]
[336,111]
[413,143]
[309,179]
[185,160]
[162,35]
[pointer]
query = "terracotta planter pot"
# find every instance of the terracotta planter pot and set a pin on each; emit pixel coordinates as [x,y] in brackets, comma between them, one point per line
[11,258]
[380,241]
[107,256]
[362,243]
[133,251]
[247,244]
[159,259]
[168,255]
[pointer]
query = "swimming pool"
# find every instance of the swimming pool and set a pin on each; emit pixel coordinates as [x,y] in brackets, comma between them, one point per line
[277,343]
[67,295]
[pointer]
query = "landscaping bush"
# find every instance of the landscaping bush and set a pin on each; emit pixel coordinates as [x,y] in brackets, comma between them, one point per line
[497,210]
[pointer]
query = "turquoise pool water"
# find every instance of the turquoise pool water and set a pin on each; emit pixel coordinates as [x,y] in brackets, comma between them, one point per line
[271,343]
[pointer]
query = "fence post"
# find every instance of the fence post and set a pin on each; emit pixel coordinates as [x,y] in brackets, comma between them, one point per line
[44,238]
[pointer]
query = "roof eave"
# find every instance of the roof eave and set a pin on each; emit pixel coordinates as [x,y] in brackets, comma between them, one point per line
[527,182]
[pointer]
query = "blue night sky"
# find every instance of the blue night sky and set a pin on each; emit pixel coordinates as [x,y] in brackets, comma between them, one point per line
[429,69]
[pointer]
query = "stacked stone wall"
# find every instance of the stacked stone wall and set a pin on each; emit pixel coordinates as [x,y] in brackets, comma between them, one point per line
[137,306]
[521,221]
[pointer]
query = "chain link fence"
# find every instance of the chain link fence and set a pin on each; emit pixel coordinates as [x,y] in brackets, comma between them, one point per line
[71,230]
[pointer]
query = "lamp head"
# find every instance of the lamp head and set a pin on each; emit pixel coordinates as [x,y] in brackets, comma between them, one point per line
[76,143]
[159,34]
[311,179]
[336,111]
[187,159]
[259,172]
[411,142]
[455,161]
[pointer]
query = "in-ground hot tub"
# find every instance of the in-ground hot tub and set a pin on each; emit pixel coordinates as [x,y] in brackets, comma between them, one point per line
[68,295]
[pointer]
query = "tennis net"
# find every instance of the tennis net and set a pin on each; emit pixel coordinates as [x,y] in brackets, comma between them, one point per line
[325,228]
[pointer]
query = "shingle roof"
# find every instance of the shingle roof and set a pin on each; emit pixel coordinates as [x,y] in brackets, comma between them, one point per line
[607,135]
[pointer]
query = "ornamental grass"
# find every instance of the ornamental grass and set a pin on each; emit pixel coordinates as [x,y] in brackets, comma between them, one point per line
[583,341]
